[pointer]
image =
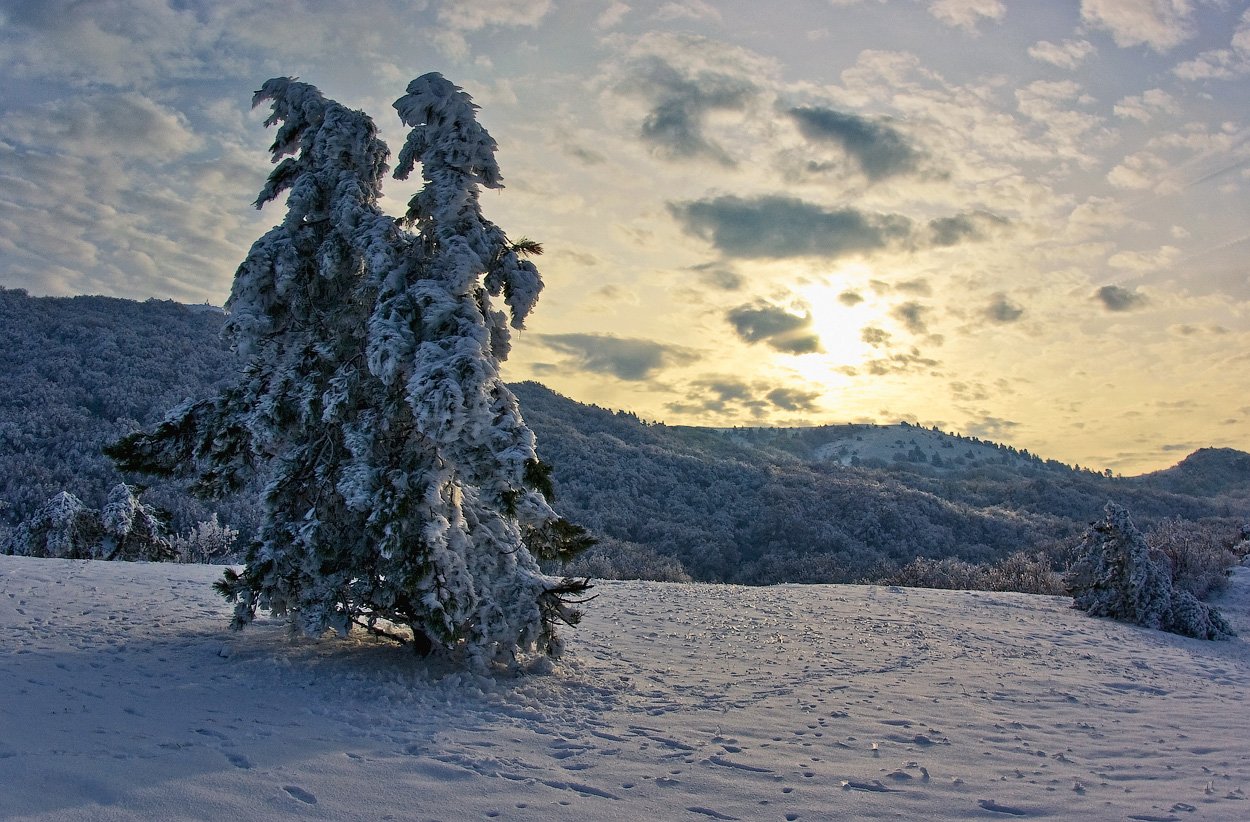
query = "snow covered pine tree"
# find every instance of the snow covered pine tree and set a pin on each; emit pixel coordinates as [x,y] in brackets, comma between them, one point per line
[1115,576]
[400,481]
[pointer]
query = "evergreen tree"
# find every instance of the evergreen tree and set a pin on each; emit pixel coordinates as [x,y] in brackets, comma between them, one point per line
[1115,576]
[65,528]
[400,480]
[132,529]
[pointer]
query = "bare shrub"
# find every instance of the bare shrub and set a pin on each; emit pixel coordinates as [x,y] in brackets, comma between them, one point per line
[617,559]
[1021,572]
[1026,573]
[1198,555]
[947,573]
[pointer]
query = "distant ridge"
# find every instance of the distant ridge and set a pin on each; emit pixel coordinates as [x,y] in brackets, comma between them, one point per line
[754,505]
[1205,472]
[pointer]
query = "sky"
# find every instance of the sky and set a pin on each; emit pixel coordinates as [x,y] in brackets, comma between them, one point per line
[1023,221]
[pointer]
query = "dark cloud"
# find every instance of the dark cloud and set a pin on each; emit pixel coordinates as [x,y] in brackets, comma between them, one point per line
[969,392]
[731,396]
[912,316]
[991,427]
[876,337]
[719,276]
[778,327]
[1003,310]
[968,225]
[919,287]
[791,399]
[720,395]
[850,298]
[900,362]
[725,389]
[623,358]
[679,103]
[779,227]
[1187,330]
[876,146]
[1115,298]
[586,155]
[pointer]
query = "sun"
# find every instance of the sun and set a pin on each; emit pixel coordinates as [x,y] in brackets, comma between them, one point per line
[839,317]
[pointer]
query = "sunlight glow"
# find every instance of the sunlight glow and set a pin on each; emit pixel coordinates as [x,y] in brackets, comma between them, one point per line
[840,325]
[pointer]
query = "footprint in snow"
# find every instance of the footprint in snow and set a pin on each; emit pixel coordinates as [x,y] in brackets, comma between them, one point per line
[991,805]
[299,793]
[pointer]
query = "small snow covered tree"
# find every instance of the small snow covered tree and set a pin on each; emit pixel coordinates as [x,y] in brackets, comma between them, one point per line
[208,542]
[400,480]
[132,529]
[1115,576]
[62,527]
[127,529]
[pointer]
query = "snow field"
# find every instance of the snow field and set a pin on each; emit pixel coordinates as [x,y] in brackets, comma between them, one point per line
[124,696]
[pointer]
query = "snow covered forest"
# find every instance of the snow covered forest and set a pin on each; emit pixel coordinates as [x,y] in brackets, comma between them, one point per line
[750,506]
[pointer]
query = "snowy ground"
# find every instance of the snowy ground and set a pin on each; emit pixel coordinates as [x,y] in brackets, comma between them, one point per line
[123,696]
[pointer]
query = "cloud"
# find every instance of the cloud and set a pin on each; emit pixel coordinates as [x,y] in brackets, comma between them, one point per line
[1159,24]
[779,328]
[900,363]
[686,10]
[918,286]
[992,428]
[719,276]
[1143,107]
[1067,55]
[115,193]
[731,396]
[726,389]
[1142,262]
[1221,64]
[779,227]
[792,399]
[1003,310]
[876,337]
[102,125]
[1140,171]
[682,80]
[458,18]
[623,358]
[969,225]
[877,147]
[913,316]
[1189,330]
[481,14]
[966,14]
[850,298]
[969,392]
[612,15]
[1116,298]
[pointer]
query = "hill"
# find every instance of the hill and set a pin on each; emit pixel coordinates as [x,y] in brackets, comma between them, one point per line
[753,505]
[78,372]
[1206,472]
[772,505]
[123,695]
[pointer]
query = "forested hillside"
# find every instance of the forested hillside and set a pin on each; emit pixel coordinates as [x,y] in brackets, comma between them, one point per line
[734,506]
[825,504]
[78,372]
